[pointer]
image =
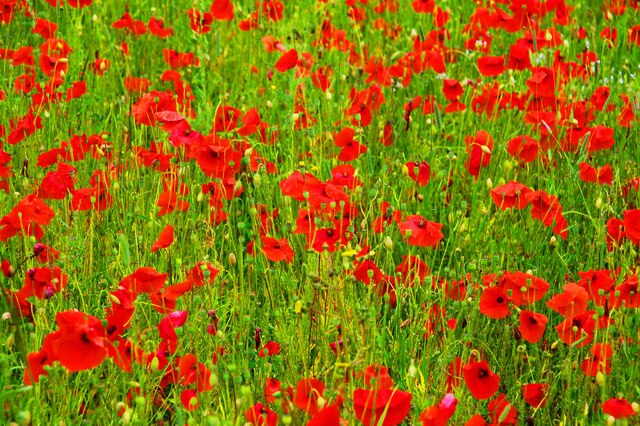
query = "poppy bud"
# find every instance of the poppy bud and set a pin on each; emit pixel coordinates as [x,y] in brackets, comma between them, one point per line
[140,401]
[232,259]
[6,316]
[611,421]
[600,378]
[24,418]
[126,416]
[38,249]
[413,371]
[388,243]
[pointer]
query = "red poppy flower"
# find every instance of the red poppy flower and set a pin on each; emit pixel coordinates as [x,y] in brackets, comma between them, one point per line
[324,196]
[631,223]
[532,325]
[601,176]
[144,280]
[43,282]
[26,218]
[511,194]
[626,115]
[502,412]
[388,216]
[270,349]
[545,207]
[56,185]
[36,361]
[226,119]
[157,28]
[491,66]
[598,284]
[217,159]
[276,250]
[320,78]
[572,301]
[200,22]
[525,289]
[165,239]
[261,415]
[525,148]
[419,172]
[480,380]
[189,399]
[79,344]
[452,89]
[601,138]
[167,329]
[7,269]
[619,408]
[577,330]
[351,149]
[479,149]
[413,270]
[494,302]
[377,376]
[439,415]
[615,233]
[222,10]
[308,392]
[328,416]
[542,82]
[271,387]
[287,60]
[423,6]
[46,29]
[381,407]
[535,394]
[344,175]
[424,233]
[126,22]
[629,293]
[600,360]
[476,420]
[250,122]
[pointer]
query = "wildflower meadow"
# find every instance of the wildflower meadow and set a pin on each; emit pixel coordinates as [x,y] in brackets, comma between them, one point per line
[320,212]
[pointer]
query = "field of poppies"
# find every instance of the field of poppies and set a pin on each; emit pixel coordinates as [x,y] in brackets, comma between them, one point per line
[320,212]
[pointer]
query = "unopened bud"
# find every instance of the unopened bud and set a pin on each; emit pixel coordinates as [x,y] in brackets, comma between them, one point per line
[388,243]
